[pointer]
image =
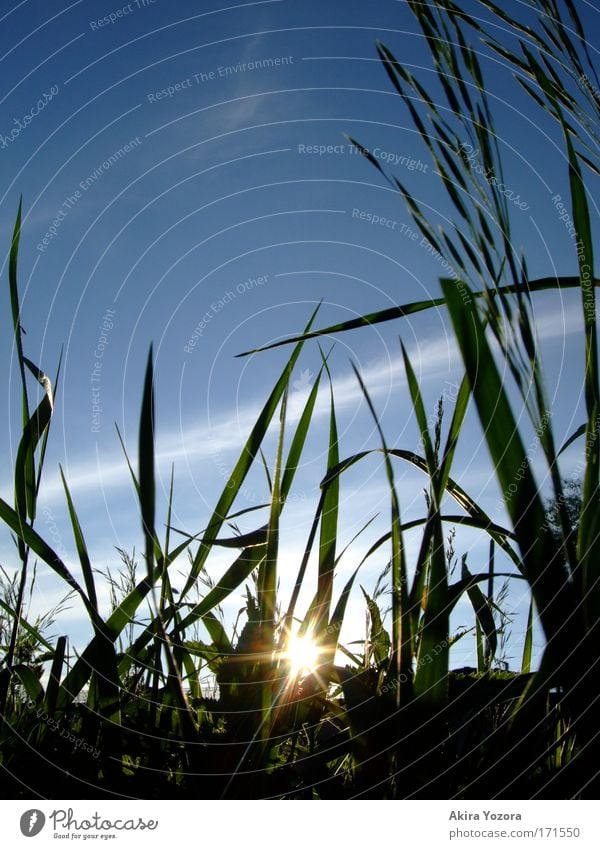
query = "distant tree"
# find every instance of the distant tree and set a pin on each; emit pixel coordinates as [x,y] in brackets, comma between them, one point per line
[571,501]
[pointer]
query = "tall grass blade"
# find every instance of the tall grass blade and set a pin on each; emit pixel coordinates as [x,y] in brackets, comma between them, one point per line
[146,464]
[50,701]
[484,616]
[33,632]
[588,542]
[394,313]
[82,551]
[16,309]
[25,478]
[400,675]
[543,569]
[93,654]
[38,545]
[31,683]
[431,678]
[232,578]
[528,644]
[299,439]
[249,452]
[329,524]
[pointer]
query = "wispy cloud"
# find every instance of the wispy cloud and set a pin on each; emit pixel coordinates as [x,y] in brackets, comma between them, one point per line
[227,434]
[222,437]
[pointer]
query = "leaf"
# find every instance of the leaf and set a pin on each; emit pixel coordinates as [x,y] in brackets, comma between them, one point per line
[96,650]
[31,629]
[483,612]
[299,439]
[15,307]
[459,494]
[400,668]
[25,477]
[329,524]
[528,644]
[243,464]
[35,542]
[267,572]
[247,540]
[574,436]
[147,491]
[84,558]
[380,642]
[232,578]
[30,681]
[546,575]
[50,701]
[431,678]
[393,313]
[364,152]
[588,538]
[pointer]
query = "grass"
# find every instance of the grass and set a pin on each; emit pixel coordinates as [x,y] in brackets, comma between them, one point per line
[130,716]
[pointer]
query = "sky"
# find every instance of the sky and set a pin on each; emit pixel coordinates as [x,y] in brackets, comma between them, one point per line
[188,183]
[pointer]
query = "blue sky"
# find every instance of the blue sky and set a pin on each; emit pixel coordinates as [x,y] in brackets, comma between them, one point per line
[191,179]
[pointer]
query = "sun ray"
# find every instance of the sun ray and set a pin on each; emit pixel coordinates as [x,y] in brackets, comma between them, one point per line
[302,654]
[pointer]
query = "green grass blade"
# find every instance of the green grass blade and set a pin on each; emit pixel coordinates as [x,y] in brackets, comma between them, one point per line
[421,416]
[331,638]
[35,542]
[588,541]
[247,540]
[15,306]
[217,634]
[232,578]
[379,639]
[267,574]
[479,517]
[431,678]
[459,588]
[363,321]
[574,436]
[158,554]
[31,683]
[146,465]
[84,558]
[36,430]
[481,667]
[25,478]
[461,405]
[394,313]
[53,389]
[249,452]
[92,656]
[400,667]
[545,574]
[528,644]
[329,524]
[310,540]
[299,440]
[33,632]
[484,615]
[52,688]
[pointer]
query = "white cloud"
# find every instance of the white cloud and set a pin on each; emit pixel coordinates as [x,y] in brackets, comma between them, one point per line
[430,358]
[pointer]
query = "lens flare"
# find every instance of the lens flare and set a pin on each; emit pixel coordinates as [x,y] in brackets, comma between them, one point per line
[303,655]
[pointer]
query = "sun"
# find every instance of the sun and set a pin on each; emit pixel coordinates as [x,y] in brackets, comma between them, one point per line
[303,655]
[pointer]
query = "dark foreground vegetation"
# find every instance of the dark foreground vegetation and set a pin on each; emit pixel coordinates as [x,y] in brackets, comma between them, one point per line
[128,716]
